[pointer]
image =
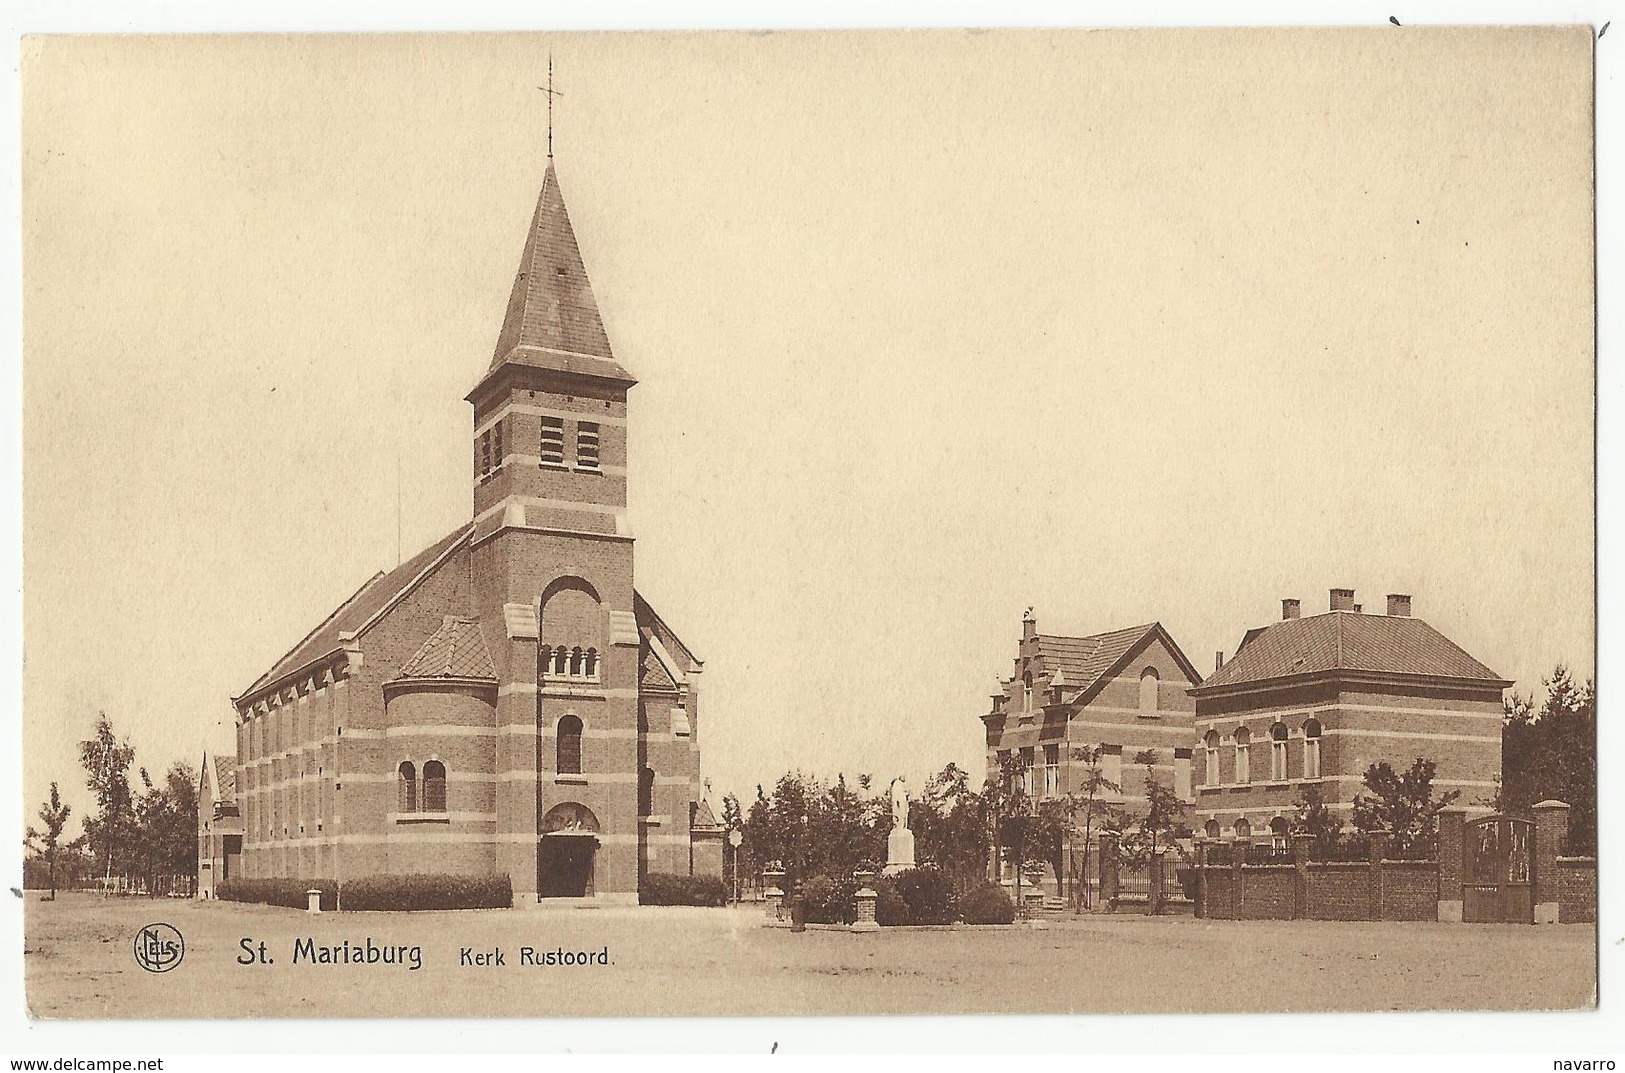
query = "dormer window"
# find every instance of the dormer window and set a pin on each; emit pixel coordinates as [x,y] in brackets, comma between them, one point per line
[587,445]
[552,446]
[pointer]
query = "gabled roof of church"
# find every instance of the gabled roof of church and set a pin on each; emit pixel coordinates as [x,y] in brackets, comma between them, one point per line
[1347,641]
[552,320]
[456,650]
[1085,662]
[381,590]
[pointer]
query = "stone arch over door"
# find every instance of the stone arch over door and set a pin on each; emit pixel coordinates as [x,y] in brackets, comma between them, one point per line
[566,857]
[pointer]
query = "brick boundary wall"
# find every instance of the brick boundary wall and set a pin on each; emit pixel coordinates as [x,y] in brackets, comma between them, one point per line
[1577,890]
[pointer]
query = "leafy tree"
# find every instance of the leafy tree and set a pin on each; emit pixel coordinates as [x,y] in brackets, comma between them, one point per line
[1313,818]
[1403,806]
[106,760]
[950,827]
[1086,799]
[1551,752]
[1165,812]
[165,842]
[47,843]
[1012,814]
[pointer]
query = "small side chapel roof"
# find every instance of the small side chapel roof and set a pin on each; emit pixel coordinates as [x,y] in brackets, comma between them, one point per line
[456,650]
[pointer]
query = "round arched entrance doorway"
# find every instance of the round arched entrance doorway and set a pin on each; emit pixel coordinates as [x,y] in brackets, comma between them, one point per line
[569,844]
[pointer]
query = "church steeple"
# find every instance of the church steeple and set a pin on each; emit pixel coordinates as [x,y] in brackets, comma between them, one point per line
[552,320]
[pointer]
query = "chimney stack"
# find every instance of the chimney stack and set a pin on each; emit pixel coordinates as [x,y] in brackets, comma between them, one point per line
[1399,605]
[1029,626]
[1342,600]
[1218,661]
[1289,609]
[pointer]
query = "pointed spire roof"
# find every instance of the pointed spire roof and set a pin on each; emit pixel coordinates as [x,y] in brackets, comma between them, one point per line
[552,320]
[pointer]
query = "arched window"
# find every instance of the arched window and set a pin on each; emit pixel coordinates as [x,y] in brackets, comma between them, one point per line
[591,666]
[1212,828]
[1148,690]
[569,747]
[1243,768]
[434,786]
[407,798]
[1278,835]
[1243,828]
[575,662]
[1311,749]
[1210,751]
[561,660]
[646,792]
[1278,752]
[1027,692]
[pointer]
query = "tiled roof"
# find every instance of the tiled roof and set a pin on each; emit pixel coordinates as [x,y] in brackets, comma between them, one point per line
[225,780]
[1084,661]
[652,674]
[1348,641]
[703,816]
[456,650]
[367,601]
[552,319]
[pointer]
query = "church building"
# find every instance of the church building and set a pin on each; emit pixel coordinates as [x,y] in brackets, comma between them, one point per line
[505,701]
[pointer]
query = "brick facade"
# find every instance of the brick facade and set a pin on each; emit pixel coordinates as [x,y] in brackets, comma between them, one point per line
[505,702]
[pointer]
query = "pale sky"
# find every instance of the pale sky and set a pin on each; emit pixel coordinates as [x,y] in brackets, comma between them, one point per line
[930,327]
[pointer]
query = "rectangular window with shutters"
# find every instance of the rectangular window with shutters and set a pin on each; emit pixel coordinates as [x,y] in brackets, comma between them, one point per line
[552,448]
[1052,770]
[587,445]
[1027,771]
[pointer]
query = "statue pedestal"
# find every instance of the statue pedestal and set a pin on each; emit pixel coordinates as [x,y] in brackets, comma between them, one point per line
[899,851]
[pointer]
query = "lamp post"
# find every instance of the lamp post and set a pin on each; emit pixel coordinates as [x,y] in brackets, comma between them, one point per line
[736,838]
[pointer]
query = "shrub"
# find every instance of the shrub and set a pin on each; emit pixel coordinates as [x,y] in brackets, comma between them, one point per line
[413,893]
[929,894]
[1187,882]
[891,911]
[668,888]
[830,901]
[987,904]
[283,891]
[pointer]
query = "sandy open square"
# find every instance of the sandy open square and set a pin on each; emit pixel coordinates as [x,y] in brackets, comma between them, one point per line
[722,962]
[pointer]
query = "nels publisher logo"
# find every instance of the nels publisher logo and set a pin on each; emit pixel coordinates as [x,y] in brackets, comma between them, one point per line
[159,947]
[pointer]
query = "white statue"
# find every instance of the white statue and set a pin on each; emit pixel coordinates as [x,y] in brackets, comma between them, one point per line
[900,843]
[899,803]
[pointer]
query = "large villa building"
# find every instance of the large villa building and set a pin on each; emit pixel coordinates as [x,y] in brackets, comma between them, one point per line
[505,701]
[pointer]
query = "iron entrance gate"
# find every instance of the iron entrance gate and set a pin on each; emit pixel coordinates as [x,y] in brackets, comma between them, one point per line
[1495,872]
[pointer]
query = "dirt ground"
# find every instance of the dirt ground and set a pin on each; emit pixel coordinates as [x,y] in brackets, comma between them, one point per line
[721,962]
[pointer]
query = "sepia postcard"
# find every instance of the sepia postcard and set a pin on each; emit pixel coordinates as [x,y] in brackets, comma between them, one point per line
[714,524]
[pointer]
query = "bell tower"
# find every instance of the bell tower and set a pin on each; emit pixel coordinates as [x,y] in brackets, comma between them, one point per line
[551,558]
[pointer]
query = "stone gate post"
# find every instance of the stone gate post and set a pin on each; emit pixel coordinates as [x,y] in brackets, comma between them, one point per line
[1108,872]
[1452,830]
[1551,828]
[1300,874]
[1201,878]
[1379,848]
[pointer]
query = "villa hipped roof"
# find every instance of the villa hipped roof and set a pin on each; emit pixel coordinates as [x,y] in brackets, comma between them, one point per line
[1348,642]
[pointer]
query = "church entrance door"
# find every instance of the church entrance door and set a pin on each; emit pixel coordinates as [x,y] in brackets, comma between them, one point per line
[564,860]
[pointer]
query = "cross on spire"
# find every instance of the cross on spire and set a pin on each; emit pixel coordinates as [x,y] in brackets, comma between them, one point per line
[551,93]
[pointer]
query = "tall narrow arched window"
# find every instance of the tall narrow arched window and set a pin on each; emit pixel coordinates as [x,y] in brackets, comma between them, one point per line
[1311,749]
[1244,772]
[569,746]
[434,786]
[407,798]
[1210,754]
[575,662]
[646,792]
[1278,752]
[1148,689]
[1027,692]
[1212,829]
[561,660]
[590,666]
[1278,835]
[1243,828]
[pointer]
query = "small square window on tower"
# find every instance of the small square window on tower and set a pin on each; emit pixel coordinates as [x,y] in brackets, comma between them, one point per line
[552,449]
[587,445]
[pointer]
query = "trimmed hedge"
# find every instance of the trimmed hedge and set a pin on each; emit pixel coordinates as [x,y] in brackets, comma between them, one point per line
[278,891]
[667,888]
[830,901]
[929,894]
[377,893]
[416,893]
[987,904]
[891,911]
